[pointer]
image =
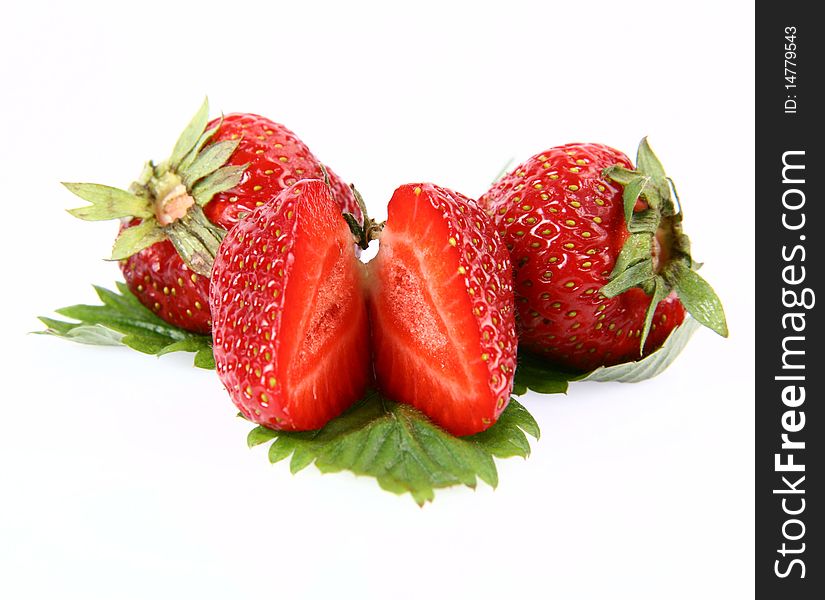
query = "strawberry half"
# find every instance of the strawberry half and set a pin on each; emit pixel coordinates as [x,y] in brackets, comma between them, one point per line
[290,330]
[603,271]
[176,212]
[441,309]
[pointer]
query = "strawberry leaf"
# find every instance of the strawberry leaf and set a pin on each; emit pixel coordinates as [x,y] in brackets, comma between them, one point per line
[402,449]
[651,365]
[121,320]
[394,443]
[536,374]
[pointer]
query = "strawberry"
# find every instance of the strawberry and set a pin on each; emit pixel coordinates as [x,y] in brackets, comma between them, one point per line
[290,330]
[177,211]
[441,309]
[603,271]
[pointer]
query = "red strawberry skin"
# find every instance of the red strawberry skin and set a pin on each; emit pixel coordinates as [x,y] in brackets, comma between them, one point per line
[165,285]
[441,309]
[277,159]
[564,225]
[290,331]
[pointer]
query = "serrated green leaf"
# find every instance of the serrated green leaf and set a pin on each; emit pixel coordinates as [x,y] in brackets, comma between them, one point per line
[94,335]
[205,358]
[123,321]
[260,435]
[147,343]
[701,301]
[280,449]
[134,239]
[108,203]
[653,364]
[190,136]
[537,374]
[208,161]
[401,448]
[185,345]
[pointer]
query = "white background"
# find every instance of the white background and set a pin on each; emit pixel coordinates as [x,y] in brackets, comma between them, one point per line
[126,476]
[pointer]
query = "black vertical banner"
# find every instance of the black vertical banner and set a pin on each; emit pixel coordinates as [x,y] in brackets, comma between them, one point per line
[790,433]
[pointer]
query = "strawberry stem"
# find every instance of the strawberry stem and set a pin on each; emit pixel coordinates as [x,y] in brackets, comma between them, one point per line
[371,230]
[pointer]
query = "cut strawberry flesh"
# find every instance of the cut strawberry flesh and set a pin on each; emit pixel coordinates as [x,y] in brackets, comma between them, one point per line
[427,344]
[324,357]
[291,337]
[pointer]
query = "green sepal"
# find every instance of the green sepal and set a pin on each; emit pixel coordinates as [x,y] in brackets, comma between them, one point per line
[202,140]
[121,320]
[196,239]
[220,180]
[637,249]
[645,221]
[648,163]
[660,292]
[190,135]
[108,203]
[208,161]
[700,300]
[631,193]
[132,240]
[633,276]
[357,230]
[197,166]
[620,174]
[662,221]
[327,180]
[367,229]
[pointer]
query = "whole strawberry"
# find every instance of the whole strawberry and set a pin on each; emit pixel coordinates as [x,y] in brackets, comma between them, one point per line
[290,332]
[176,213]
[441,309]
[603,271]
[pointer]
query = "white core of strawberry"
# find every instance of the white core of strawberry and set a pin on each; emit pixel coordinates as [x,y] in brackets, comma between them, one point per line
[173,205]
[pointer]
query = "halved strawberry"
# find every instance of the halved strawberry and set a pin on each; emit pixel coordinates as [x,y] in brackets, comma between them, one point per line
[441,309]
[290,331]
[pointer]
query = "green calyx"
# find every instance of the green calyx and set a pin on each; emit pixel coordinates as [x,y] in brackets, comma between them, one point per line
[169,197]
[656,256]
